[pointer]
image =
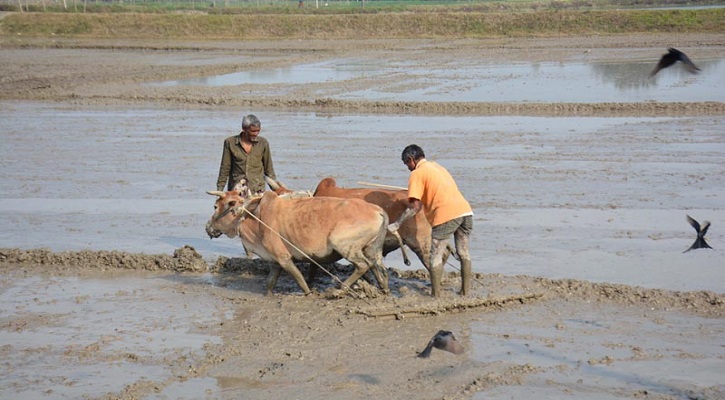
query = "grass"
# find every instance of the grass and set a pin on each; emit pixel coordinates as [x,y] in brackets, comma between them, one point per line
[335,6]
[367,25]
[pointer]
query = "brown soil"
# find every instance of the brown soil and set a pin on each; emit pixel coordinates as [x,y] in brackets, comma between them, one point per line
[350,346]
[113,71]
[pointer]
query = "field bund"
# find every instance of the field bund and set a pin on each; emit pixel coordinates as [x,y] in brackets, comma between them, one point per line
[368,26]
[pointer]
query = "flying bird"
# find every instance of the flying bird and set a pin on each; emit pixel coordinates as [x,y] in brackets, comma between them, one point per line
[700,242]
[672,56]
[443,340]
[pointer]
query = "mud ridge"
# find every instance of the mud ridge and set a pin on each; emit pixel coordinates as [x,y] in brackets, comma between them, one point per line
[701,302]
[447,108]
[184,259]
[409,288]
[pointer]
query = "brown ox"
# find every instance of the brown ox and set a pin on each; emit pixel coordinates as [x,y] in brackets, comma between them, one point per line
[323,230]
[415,232]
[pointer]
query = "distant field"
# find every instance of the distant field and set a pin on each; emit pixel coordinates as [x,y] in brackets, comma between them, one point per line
[334,6]
[362,25]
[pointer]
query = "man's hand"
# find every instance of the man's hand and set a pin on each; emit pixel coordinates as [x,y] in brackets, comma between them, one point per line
[392,228]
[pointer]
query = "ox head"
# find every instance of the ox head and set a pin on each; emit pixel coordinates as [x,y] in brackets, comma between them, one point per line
[227,213]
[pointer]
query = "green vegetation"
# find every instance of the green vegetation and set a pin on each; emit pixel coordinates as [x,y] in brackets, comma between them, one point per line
[379,25]
[333,6]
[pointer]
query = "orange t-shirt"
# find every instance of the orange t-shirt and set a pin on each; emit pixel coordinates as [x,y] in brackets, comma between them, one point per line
[435,188]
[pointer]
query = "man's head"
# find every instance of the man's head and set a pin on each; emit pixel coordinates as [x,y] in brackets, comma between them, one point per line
[411,155]
[251,126]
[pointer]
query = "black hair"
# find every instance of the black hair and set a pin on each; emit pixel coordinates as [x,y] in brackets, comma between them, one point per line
[413,151]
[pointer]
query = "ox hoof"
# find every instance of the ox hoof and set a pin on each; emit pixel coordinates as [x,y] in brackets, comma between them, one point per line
[335,294]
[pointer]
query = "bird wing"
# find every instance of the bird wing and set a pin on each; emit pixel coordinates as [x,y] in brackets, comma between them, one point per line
[453,346]
[705,227]
[426,352]
[665,61]
[693,223]
[689,65]
[656,70]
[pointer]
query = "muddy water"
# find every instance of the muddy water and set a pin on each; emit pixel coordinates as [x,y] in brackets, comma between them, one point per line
[576,355]
[97,334]
[572,82]
[592,198]
[601,199]
[74,333]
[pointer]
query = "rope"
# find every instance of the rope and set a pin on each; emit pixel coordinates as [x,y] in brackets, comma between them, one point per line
[334,277]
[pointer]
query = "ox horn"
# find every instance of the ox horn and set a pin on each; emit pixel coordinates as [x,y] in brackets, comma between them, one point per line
[216,193]
[271,182]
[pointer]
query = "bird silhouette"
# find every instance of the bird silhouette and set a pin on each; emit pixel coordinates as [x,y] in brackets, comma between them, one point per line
[443,340]
[700,242]
[672,56]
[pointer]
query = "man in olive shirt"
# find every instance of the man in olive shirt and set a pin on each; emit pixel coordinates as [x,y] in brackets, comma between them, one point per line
[431,188]
[246,158]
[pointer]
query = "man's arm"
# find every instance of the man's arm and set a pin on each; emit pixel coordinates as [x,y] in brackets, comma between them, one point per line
[267,163]
[414,205]
[224,168]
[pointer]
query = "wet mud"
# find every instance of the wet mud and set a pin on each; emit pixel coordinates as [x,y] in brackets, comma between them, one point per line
[166,334]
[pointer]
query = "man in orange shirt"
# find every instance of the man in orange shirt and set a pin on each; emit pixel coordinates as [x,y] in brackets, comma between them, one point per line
[433,189]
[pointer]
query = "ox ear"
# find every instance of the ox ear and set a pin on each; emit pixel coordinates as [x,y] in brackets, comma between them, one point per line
[216,193]
[252,203]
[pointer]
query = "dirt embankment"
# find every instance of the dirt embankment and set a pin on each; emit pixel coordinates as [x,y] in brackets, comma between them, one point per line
[407,286]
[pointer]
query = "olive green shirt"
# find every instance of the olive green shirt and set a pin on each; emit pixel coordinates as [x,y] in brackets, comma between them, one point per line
[237,164]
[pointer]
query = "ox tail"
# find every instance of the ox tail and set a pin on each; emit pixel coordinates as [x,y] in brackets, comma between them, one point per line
[406,260]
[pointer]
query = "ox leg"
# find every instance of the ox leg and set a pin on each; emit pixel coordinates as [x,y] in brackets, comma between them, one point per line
[374,257]
[381,275]
[361,267]
[248,253]
[380,272]
[362,264]
[312,272]
[274,272]
[423,254]
[438,250]
[464,255]
[291,269]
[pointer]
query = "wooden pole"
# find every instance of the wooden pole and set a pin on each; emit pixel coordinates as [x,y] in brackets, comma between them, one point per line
[382,186]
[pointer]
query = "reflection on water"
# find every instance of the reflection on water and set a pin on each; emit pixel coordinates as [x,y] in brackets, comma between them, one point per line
[538,82]
[631,76]
[624,76]
[555,82]
[298,74]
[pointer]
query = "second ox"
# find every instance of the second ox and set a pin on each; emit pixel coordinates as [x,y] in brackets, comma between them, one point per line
[323,230]
[415,232]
